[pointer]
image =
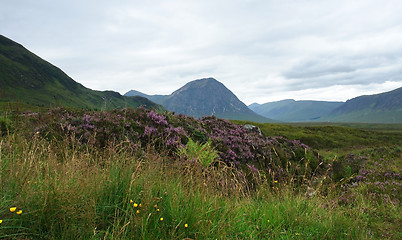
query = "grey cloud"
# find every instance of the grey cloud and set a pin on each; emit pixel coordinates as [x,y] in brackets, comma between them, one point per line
[256,48]
[314,68]
[346,69]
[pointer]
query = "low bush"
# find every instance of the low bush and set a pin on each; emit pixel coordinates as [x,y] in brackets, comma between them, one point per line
[277,157]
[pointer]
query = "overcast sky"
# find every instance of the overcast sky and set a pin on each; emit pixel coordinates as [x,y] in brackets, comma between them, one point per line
[262,50]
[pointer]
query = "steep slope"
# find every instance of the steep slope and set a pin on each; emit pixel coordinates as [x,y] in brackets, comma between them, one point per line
[295,111]
[379,108]
[27,78]
[205,97]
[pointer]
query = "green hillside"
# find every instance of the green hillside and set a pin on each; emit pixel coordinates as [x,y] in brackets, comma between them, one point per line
[295,111]
[379,108]
[27,78]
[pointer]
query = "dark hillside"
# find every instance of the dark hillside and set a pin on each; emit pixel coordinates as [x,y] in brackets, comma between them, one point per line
[27,78]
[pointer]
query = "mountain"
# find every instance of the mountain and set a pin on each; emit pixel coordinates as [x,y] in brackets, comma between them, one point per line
[154,98]
[27,78]
[205,97]
[379,108]
[295,111]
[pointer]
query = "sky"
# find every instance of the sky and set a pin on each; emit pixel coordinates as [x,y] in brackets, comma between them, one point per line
[262,50]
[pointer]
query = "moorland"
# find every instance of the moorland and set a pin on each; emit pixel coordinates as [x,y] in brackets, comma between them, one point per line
[76,163]
[151,174]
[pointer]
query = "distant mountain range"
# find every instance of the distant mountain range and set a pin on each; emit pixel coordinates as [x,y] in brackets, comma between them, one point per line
[205,97]
[295,111]
[27,78]
[210,97]
[379,108]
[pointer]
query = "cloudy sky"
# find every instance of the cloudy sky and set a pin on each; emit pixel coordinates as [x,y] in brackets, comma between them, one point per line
[262,50]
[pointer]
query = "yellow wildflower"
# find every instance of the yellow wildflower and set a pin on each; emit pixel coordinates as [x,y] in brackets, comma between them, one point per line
[138,211]
[161,219]
[135,205]
[1,221]
[139,205]
[155,206]
[186,225]
[13,209]
[131,201]
[157,210]
[19,212]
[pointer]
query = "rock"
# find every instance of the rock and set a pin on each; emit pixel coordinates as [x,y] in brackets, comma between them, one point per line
[252,128]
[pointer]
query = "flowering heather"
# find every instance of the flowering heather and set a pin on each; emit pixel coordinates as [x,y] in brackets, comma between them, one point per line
[273,154]
[157,118]
[235,145]
[378,180]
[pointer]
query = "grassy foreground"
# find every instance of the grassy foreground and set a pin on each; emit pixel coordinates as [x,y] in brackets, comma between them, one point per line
[68,193]
[59,188]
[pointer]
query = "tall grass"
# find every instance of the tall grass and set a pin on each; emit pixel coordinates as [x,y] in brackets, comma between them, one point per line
[66,185]
[71,191]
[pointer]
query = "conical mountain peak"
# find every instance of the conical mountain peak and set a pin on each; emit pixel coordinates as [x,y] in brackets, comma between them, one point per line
[208,96]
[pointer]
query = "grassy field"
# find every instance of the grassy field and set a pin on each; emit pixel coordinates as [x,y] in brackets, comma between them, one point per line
[59,187]
[342,136]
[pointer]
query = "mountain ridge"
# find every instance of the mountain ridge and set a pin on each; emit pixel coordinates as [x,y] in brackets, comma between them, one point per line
[381,101]
[290,110]
[28,78]
[154,98]
[383,107]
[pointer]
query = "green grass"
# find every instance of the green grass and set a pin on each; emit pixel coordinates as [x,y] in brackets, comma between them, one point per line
[368,115]
[71,192]
[381,127]
[344,137]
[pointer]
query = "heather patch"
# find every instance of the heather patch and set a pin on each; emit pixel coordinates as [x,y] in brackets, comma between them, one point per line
[276,157]
[379,180]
